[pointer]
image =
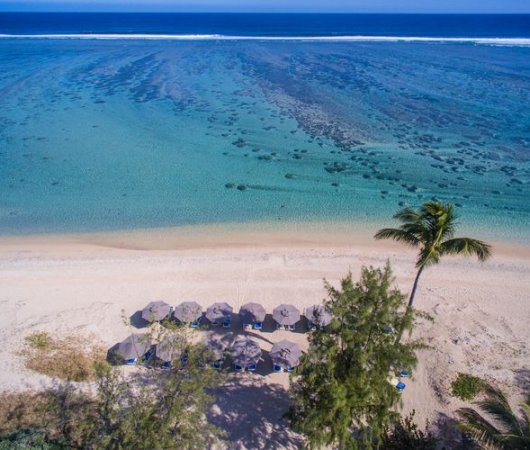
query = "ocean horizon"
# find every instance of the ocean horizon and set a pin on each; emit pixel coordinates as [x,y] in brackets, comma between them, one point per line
[125,121]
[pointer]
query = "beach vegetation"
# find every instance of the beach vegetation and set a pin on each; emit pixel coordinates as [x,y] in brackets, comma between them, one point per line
[343,393]
[40,340]
[496,425]
[70,358]
[466,387]
[151,408]
[404,434]
[431,228]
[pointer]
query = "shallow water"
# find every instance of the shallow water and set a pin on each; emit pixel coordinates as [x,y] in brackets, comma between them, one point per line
[100,135]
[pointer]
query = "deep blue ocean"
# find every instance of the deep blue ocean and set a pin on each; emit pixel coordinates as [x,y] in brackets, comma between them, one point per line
[428,25]
[145,120]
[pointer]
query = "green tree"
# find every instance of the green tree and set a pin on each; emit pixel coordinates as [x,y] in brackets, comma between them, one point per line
[150,409]
[159,410]
[432,229]
[503,429]
[341,394]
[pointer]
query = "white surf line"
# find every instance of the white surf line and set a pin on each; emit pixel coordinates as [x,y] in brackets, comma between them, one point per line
[221,37]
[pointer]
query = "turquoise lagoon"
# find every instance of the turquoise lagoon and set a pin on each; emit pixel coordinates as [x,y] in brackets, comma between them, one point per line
[100,135]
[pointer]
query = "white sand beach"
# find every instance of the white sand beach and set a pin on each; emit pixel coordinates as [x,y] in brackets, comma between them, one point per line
[81,284]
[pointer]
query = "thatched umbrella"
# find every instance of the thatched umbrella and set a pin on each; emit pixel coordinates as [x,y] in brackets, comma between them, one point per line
[318,315]
[156,311]
[216,347]
[246,352]
[252,313]
[219,312]
[135,346]
[170,349]
[286,354]
[187,312]
[286,315]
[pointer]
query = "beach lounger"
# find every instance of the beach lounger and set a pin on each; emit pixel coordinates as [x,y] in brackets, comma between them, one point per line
[218,364]
[403,373]
[276,368]
[291,327]
[238,368]
[251,367]
[147,356]
[258,325]
[401,386]
[290,369]
[166,365]
[227,324]
[194,324]
[131,362]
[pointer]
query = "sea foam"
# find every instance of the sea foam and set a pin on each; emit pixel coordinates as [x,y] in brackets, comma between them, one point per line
[221,37]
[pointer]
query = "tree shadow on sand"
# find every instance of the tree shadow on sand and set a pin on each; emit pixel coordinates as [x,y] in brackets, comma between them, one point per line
[522,379]
[450,437]
[251,415]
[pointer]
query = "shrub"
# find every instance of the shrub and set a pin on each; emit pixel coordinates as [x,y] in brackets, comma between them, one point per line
[466,387]
[40,340]
[404,434]
[27,439]
[68,358]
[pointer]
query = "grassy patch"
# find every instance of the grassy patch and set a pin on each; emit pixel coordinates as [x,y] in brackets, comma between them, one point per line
[466,387]
[72,358]
[39,340]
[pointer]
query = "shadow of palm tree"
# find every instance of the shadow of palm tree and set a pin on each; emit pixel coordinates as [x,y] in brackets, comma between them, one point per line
[251,414]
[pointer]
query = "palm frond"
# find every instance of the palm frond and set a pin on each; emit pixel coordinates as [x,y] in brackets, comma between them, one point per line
[406,215]
[398,235]
[526,417]
[497,406]
[428,257]
[466,246]
[480,430]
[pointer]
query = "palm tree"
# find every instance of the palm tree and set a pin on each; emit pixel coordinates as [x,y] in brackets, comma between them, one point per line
[432,228]
[505,432]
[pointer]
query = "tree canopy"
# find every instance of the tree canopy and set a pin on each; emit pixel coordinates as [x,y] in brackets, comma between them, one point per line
[341,393]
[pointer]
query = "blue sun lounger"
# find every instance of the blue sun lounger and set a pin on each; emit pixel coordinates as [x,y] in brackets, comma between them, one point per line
[218,364]
[276,368]
[251,367]
[401,386]
[258,325]
[238,368]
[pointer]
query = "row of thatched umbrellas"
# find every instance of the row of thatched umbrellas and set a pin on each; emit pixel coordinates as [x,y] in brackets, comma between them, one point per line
[253,314]
[245,353]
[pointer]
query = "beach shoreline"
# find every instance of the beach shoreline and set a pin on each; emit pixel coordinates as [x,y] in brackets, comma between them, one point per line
[252,235]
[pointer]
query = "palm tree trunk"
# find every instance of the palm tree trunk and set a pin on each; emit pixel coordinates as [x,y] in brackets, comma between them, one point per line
[411,301]
[414,287]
